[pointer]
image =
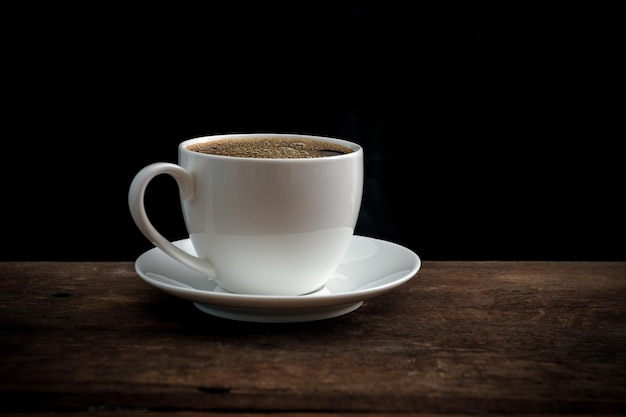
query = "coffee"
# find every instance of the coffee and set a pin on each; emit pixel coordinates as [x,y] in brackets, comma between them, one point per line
[271,147]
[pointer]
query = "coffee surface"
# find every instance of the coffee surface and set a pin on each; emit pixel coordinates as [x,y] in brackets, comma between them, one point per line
[271,147]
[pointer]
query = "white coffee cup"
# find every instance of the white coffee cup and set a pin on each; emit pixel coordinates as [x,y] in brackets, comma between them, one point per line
[260,226]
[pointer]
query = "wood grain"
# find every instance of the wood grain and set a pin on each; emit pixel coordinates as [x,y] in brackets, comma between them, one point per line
[459,338]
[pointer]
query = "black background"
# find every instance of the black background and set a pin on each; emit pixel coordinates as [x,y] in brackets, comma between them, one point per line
[497,141]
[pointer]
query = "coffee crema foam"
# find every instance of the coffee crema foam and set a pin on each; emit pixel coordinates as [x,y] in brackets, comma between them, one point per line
[271,147]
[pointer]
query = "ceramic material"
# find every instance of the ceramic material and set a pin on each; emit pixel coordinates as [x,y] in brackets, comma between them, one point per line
[260,226]
[370,267]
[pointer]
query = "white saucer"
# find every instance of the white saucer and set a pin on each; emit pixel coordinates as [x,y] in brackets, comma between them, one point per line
[371,267]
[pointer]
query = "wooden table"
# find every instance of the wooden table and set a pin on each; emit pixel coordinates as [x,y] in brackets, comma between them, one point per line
[458,338]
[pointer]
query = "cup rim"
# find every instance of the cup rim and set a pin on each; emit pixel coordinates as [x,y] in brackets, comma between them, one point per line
[356,148]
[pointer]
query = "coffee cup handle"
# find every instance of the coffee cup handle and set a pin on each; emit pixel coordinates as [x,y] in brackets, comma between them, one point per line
[136,204]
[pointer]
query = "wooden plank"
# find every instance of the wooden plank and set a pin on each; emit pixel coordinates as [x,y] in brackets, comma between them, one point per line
[144,413]
[461,337]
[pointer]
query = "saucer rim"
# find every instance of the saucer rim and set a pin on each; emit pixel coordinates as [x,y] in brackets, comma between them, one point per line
[281,302]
